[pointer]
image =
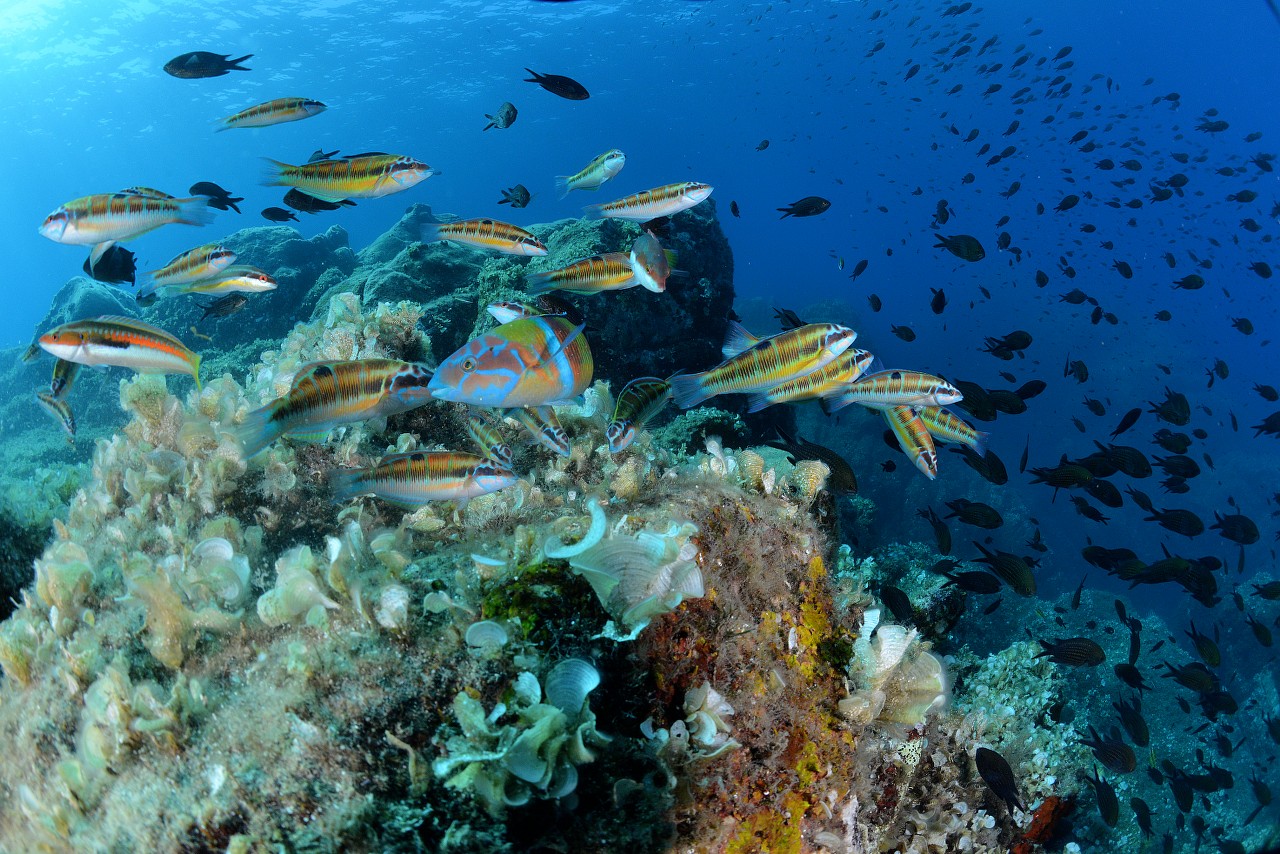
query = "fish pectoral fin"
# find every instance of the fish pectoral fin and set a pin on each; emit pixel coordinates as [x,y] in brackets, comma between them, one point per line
[568,339]
[325,197]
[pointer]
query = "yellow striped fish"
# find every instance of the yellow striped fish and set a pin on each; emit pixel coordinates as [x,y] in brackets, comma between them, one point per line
[491,234]
[274,112]
[608,272]
[827,380]
[667,200]
[89,220]
[192,266]
[544,427]
[122,342]
[640,400]
[946,427]
[896,388]
[485,433]
[358,176]
[326,394]
[146,191]
[239,278]
[913,438]
[64,375]
[60,412]
[412,479]
[757,365]
[601,168]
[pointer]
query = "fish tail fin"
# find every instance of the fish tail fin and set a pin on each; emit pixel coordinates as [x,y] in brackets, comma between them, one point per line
[562,186]
[273,173]
[195,371]
[235,63]
[593,211]
[491,122]
[258,430]
[194,211]
[430,233]
[688,390]
[345,484]
[536,76]
[980,443]
[539,283]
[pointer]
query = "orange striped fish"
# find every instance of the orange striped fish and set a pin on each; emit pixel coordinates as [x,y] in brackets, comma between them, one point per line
[122,342]
[667,200]
[529,361]
[326,394]
[491,234]
[946,427]
[827,380]
[89,220]
[239,278]
[412,479]
[913,438]
[358,176]
[192,266]
[897,388]
[64,375]
[60,412]
[638,402]
[757,365]
[608,272]
[485,433]
[274,112]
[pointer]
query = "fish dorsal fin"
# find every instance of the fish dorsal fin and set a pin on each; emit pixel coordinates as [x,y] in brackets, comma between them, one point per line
[737,340]
[876,366]
[140,326]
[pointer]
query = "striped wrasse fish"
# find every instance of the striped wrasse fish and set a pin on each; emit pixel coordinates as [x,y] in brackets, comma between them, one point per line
[913,437]
[412,479]
[358,176]
[89,220]
[239,278]
[608,272]
[601,168]
[757,365]
[489,234]
[639,401]
[60,412]
[896,388]
[122,342]
[529,361]
[830,379]
[274,112]
[651,263]
[544,427]
[485,433]
[192,266]
[326,394]
[946,427]
[64,375]
[667,200]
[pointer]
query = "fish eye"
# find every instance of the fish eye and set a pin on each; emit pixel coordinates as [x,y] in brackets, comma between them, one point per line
[469,364]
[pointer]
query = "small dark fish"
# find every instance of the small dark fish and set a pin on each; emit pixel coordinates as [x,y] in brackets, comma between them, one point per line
[218,197]
[888,466]
[859,269]
[998,776]
[939,301]
[1067,203]
[975,581]
[1130,418]
[1030,389]
[505,116]
[1179,521]
[1243,324]
[518,196]
[224,306]
[764,143]
[898,603]
[1236,527]
[906,333]
[874,301]
[788,318]
[1131,676]
[734,209]
[279,215]
[111,263]
[565,87]
[974,513]
[1142,815]
[200,63]
[1076,652]
[1075,597]
[1130,712]
[808,206]
[991,609]
[1113,753]
[842,480]
[941,532]
[307,203]
[962,246]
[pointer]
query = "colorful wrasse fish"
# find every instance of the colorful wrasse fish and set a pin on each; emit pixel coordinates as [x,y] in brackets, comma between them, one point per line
[529,361]
[667,200]
[650,263]
[192,266]
[601,168]
[896,388]
[489,234]
[359,176]
[946,427]
[509,310]
[274,112]
[326,394]
[60,412]
[149,191]
[412,479]
[608,272]
[544,427]
[637,404]
[825,381]
[122,342]
[757,365]
[485,433]
[913,438]
[239,278]
[64,375]
[90,220]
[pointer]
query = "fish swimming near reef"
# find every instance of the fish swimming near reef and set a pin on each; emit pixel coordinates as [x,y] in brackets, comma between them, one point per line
[412,479]
[218,197]
[111,263]
[842,479]
[650,263]
[996,773]
[602,168]
[946,427]
[611,271]
[274,214]
[122,342]
[60,412]
[962,246]
[483,430]
[277,111]
[490,234]
[913,438]
[90,220]
[201,63]
[326,394]
[239,278]
[357,176]
[896,388]
[224,306]
[558,84]
[518,196]
[828,380]
[543,427]
[638,403]
[758,364]
[300,201]
[503,118]
[667,200]
[193,265]
[529,361]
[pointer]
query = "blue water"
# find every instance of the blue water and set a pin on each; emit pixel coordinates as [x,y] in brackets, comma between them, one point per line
[688,90]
